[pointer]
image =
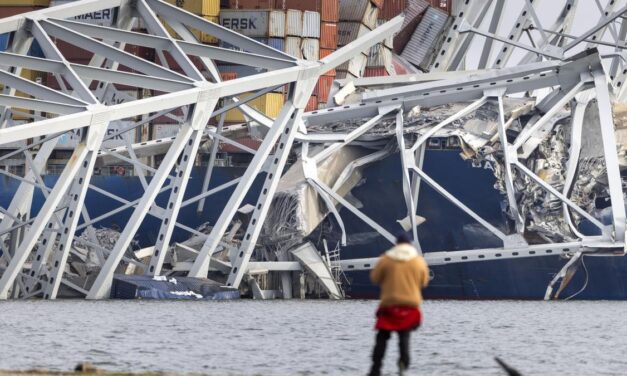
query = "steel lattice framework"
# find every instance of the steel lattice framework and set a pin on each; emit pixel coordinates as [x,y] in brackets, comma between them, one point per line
[571,80]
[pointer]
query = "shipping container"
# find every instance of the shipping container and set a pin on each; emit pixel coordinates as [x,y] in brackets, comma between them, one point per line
[270,104]
[24,3]
[323,88]
[375,72]
[359,11]
[349,31]
[344,75]
[324,53]
[379,56]
[420,47]
[312,104]
[294,23]
[103,17]
[249,4]
[444,5]
[392,8]
[311,49]
[251,143]
[7,11]
[254,23]
[413,15]
[355,65]
[328,35]
[227,76]
[292,47]
[303,5]
[166,130]
[330,10]
[276,43]
[199,7]
[311,24]
[4,41]
[204,37]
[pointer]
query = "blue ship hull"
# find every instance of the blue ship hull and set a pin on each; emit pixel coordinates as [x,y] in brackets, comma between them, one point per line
[446,228]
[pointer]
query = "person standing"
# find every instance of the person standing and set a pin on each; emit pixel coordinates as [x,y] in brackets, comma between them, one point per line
[402,274]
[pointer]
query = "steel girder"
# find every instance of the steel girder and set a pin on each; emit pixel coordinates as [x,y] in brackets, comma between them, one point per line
[49,237]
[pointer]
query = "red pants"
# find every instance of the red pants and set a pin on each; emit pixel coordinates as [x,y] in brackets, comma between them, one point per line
[398,318]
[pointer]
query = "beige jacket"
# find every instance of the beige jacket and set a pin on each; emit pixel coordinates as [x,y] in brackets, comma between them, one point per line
[401,274]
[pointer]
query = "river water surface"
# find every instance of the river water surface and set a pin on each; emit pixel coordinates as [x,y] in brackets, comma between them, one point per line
[312,337]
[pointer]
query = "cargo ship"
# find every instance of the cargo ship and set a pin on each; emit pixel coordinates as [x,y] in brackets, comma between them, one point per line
[446,228]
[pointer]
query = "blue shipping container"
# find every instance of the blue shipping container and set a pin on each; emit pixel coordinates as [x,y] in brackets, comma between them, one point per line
[4,41]
[277,43]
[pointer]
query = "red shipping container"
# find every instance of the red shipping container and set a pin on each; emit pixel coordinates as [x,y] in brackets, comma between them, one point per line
[312,104]
[324,53]
[328,35]
[375,72]
[392,8]
[311,5]
[251,4]
[330,11]
[12,11]
[227,76]
[323,88]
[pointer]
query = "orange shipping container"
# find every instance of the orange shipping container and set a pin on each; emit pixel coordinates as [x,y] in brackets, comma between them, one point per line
[328,35]
[330,11]
[324,88]
[324,53]
[227,76]
[312,104]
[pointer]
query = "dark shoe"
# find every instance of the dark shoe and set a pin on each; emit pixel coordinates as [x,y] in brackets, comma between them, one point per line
[402,367]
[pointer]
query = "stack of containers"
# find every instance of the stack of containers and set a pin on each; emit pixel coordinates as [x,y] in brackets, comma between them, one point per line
[10,8]
[357,17]
[267,26]
[311,47]
[380,61]
[208,9]
[329,18]
[293,32]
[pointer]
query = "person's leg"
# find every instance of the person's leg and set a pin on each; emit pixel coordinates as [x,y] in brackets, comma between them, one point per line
[379,352]
[403,344]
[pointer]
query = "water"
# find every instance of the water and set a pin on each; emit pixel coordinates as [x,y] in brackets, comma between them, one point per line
[311,337]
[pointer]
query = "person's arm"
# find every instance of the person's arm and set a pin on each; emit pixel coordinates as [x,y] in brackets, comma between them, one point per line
[376,274]
[424,269]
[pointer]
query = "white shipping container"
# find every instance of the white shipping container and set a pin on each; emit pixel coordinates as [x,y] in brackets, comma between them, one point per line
[166,130]
[380,56]
[294,23]
[292,47]
[359,11]
[254,23]
[311,24]
[311,49]
[102,17]
[355,66]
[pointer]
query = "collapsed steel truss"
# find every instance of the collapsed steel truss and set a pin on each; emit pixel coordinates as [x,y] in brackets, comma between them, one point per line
[47,239]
